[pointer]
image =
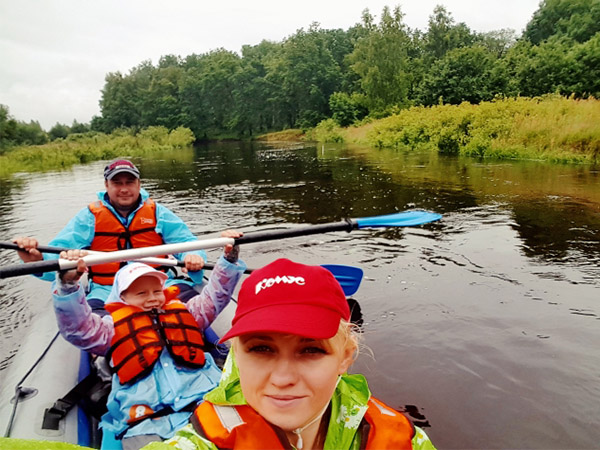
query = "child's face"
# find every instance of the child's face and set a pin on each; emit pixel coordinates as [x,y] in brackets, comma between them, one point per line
[146,293]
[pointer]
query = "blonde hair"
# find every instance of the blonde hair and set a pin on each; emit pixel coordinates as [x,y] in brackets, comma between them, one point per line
[349,337]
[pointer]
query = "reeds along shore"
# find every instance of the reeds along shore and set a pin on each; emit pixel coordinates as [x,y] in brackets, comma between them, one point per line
[551,128]
[92,146]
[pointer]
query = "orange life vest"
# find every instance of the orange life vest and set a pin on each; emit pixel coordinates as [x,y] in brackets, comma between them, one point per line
[110,235]
[241,427]
[140,337]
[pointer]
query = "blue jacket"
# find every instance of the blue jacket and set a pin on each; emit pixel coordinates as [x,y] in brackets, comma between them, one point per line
[167,385]
[79,233]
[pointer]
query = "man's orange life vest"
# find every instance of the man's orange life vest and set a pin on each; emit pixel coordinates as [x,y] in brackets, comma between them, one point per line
[110,235]
[241,427]
[140,337]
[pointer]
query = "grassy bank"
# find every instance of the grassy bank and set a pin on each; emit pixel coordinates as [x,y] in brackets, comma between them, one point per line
[87,147]
[552,128]
[293,135]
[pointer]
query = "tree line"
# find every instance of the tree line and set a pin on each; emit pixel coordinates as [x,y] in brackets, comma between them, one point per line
[372,70]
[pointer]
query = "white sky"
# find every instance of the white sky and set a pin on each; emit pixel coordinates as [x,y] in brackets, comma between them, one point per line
[54,54]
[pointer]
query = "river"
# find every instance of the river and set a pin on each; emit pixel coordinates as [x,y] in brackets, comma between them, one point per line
[485,326]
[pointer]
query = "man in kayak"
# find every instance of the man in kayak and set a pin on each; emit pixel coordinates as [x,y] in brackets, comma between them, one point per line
[153,342]
[124,216]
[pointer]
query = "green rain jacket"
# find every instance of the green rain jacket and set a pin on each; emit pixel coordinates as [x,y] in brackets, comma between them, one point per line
[348,404]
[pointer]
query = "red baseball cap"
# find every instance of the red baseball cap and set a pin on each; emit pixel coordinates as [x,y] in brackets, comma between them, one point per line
[292,298]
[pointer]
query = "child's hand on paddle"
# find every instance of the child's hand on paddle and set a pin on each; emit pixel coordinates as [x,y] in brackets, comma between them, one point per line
[231,252]
[73,275]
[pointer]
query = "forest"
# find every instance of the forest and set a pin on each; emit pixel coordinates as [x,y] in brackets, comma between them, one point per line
[372,70]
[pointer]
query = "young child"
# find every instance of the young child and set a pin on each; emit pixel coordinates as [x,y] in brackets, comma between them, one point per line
[153,344]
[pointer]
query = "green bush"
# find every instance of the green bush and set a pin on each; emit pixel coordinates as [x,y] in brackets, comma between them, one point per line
[549,127]
[328,131]
[92,146]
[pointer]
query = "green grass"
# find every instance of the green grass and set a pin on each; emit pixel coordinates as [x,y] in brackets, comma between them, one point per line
[87,147]
[551,128]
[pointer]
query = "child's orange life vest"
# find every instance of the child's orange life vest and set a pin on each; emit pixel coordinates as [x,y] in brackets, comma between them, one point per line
[140,337]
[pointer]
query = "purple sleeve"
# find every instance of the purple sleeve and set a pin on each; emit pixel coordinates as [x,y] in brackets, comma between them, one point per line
[77,323]
[217,293]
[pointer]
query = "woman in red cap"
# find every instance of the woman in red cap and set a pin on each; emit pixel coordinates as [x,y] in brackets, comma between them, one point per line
[285,384]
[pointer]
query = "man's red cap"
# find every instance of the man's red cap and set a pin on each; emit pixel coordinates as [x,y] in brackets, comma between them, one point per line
[287,297]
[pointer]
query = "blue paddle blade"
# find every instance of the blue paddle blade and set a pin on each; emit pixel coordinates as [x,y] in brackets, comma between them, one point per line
[349,277]
[401,219]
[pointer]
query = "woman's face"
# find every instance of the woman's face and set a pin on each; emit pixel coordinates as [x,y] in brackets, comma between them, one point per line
[289,379]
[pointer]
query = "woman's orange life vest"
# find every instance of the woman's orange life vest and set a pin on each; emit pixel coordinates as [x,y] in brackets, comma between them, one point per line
[140,337]
[241,427]
[110,235]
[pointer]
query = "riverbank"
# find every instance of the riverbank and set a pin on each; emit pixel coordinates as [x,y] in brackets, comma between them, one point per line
[551,128]
[92,146]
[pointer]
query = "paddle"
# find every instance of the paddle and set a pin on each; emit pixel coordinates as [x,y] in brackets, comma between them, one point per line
[147,260]
[349,277]
[403,219]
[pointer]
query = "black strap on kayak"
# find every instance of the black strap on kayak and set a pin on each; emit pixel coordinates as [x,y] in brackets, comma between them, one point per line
[190,407]
[58,411]
[21,391]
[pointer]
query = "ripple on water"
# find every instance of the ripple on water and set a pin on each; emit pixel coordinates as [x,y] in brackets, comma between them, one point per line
[15,317]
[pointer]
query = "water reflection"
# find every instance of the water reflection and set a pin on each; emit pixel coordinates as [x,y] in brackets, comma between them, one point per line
[494,308]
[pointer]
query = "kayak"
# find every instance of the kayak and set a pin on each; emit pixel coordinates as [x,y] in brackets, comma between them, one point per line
[46,369]
[47,373]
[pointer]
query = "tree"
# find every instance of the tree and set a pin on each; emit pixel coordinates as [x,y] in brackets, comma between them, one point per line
[464,74]
[31,133]
[161,98]
[347,108]
[8,128]
[308,73]
[59,131]
[207,92]
[541,69]
[257,98]
[444,35]
[119,103]
[586,73]
[576,19]
[381,60]
[497,42]
[77,127]
[218,87]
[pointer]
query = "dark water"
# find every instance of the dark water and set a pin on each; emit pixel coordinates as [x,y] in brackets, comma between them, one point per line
[485,325]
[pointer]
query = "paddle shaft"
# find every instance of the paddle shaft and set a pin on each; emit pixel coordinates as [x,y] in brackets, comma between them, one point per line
[58,250]
[39,267]
[402,219]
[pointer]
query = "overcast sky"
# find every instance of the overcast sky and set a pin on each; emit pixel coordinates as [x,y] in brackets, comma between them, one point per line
[54,54]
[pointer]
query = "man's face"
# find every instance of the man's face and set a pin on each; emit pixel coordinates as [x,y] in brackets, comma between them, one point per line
[123,190]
